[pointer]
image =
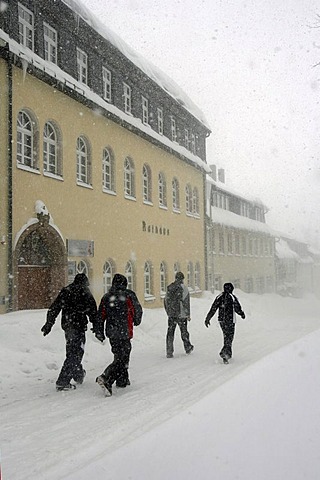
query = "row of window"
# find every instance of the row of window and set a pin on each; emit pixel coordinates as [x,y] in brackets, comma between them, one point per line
[260,284]
[50,40]
[245,209]
[235,244]
[109,269]
[52,164]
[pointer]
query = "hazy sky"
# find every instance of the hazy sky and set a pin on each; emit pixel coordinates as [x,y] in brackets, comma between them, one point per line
[249,66]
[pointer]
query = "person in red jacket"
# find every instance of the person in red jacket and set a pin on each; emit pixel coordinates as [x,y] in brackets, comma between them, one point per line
[119,311]
[228,305]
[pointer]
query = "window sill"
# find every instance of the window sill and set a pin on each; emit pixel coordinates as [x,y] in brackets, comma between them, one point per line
[85,185]
[175,210]
[163,207]
[146,202]
[28,169]
[53,175]
[109,192]
[128,197]
[149,298]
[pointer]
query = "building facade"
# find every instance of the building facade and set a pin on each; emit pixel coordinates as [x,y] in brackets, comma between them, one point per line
[103,162]
[240,245]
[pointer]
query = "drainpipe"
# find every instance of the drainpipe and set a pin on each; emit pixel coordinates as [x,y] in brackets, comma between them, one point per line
[9,157]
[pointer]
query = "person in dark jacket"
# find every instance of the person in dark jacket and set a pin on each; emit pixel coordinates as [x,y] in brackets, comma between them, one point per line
[77,304]
[119,311]
[228,305]
[177,306]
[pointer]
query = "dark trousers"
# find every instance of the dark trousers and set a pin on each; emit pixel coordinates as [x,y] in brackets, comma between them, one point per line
[228,329]
[172,323]
[117,371]
[72,368]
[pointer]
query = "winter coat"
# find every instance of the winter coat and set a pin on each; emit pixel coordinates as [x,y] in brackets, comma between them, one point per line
[76,303]
[119,310]
[228,305]
[177,300]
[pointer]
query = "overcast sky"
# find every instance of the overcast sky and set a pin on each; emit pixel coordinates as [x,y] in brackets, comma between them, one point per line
[249,66]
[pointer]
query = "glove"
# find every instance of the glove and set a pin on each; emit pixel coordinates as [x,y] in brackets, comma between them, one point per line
[207,323]
[46,329]
[100,336]
[243,315]
[188,319]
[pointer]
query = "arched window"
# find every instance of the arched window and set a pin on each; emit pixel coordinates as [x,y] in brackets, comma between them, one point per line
[108,272]
[129,186]
[162,190]
[146,183]
[26,140]
[163,279]
[83,161]
[175,194]
[197,282]
[82,267]
[188,198]
[108,170]
[190,276]
[130,275]
[147,281]
[51,160]
[176,268]
[195,201]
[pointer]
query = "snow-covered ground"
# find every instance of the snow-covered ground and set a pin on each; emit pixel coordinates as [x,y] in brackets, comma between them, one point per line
[257,418]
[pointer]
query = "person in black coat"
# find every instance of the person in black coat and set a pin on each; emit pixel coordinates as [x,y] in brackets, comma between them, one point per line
[77,304]
[177,307]
[119,311]
[228,305]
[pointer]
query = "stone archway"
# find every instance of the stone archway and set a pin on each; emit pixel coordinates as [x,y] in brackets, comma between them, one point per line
[40,261]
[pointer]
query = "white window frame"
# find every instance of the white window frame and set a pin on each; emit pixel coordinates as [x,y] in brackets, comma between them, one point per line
[82,267]
[147,281]
[127,98]
[82,66]
[25,141]
[160,120]
[186,139]
[173,129]
[189,199]
[146,184]
[162,186]
[129,180]
[107,84]
[83,162]
[145,110]
[108,174]
[175,195]
[50,39]
[163,279]
[195,202]
[129,273]
[108,272]
[50,150]
[26,27]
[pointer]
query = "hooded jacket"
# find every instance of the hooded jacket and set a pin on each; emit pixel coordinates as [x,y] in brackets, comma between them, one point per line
[76,303]
[177,300]
[119,310]
[228,305]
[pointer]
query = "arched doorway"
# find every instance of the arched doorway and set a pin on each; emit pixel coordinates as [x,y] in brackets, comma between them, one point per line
[40,267]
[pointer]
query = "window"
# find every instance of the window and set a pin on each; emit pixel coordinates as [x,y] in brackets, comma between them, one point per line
[129,275]
[195,202]
[190,275]
[176,268]
[82,66]
[237,244]
[26,27]
[250,246]
[108,272]
[197,277]
[193,144]
[129,185]
[175,195]
[127,98]
[160,121]
[173,130]
[50,43]
[51,162]
[106,80]
[162,190]
[147,282]
[163,279]
[25,141]
[230,244]
[244,245]
[186,138]
[188,199]
[108,173]
[145,110]
[221,243]
[83,162]
[146,184]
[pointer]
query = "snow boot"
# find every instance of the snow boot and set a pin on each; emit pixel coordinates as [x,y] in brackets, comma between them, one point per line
[65,388]
[107,389]
[190,350]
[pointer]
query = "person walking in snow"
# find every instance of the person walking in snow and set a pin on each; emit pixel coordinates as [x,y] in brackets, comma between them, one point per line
[228,305]
[177,306]
[119,311]
[77,304]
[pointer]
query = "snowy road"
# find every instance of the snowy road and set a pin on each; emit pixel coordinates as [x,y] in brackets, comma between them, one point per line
[48,435]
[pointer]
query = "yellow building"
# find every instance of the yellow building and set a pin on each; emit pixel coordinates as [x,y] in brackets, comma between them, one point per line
[97,175]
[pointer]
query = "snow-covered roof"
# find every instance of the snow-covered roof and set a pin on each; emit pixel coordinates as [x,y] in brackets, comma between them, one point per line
[153,72]
[284,251]
[29,57]
[230,219]
[227,189]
